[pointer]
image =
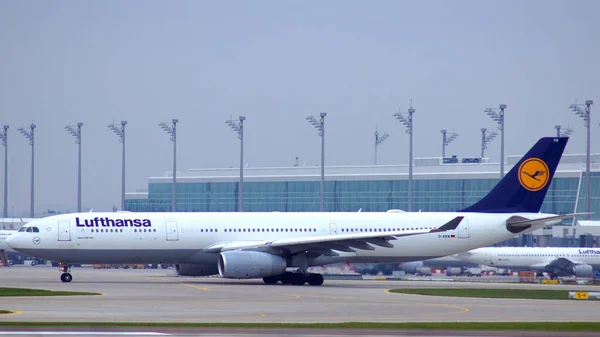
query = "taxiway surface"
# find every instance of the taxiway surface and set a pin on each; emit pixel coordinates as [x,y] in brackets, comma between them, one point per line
[159,296]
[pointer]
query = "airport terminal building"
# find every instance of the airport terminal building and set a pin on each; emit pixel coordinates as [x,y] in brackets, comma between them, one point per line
[439,184]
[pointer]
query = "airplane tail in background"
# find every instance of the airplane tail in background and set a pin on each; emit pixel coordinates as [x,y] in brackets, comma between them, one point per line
[524,187]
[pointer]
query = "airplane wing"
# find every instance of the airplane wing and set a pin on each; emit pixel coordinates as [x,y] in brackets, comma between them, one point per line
[561,263]
[328,244]
[564,263]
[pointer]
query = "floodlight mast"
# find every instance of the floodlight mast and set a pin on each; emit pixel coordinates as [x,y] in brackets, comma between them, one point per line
[379,138]
[319,124]
[76,132]
[485,140]
[239,129]
[172,130]
[407,121]
[585,114]
[567,132]
[4,140]
[497,114]
[120,132]
[30,134]
[446,140]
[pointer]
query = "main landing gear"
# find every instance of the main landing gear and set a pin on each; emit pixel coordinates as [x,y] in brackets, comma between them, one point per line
[66,275]
[297,279]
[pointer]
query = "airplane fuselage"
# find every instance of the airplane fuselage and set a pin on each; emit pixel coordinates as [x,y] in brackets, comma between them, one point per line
[125,237]
[530,258]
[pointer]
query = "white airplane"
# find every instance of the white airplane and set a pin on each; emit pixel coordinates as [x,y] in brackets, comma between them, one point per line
[4,234]
[557,261]
[281,246]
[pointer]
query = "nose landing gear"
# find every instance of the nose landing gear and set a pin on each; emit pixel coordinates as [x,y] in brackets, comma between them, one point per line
[66,275]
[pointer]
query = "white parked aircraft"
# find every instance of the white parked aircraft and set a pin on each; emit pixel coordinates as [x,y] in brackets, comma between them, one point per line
[281,246]
[558,261]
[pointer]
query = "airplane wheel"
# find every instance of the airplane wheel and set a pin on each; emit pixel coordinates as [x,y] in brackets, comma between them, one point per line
[298,279]
[270,279]
[286,278]
[315,279]
[66,277]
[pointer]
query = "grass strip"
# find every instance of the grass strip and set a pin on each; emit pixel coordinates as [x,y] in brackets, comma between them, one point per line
[38,292]
[530,326]
[489,293]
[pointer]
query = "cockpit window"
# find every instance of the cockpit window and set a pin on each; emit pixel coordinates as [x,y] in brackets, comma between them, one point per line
[29,229]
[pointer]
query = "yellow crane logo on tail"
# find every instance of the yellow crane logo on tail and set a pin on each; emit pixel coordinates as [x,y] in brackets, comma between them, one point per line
[534,174]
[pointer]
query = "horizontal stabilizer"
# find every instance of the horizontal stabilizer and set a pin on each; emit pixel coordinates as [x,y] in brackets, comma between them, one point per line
[518,224]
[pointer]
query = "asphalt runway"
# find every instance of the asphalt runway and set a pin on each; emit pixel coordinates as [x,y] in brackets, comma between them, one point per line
[160,296]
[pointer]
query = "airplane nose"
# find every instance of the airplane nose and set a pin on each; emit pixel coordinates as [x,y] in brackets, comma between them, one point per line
[11,240]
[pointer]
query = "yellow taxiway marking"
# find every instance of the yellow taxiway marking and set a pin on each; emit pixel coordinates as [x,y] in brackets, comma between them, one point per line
[13,312]
[196,287]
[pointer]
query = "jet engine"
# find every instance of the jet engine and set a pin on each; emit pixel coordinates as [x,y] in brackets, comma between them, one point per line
[248,264]
[190,269]
[583,270]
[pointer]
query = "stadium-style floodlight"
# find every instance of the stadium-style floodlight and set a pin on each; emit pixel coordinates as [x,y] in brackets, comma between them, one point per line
[172,130]
[76,132]
[120,131]
[447,139]
[319,124]
[486,139]
[498,116]
[238,127]
[4,140]
[379,138]
[407,120]
[585,113]
[565,133]
[30,134]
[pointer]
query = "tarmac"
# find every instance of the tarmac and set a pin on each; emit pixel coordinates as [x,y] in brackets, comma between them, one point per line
[156,295]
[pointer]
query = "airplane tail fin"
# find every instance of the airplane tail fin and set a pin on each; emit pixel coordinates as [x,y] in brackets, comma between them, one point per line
[524,187]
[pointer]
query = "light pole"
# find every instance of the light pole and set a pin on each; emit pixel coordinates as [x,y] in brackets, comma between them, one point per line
[172,130]
[4,139]
[379,138]
[447,139]
[319,124]
[29,134]
[486,139]
[120,131]
[239,129]
[498,116]
[77,134]
[407,121]
[585,113]
[567,132]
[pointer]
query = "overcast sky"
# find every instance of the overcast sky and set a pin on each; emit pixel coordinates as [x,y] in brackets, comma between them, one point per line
[277,62]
